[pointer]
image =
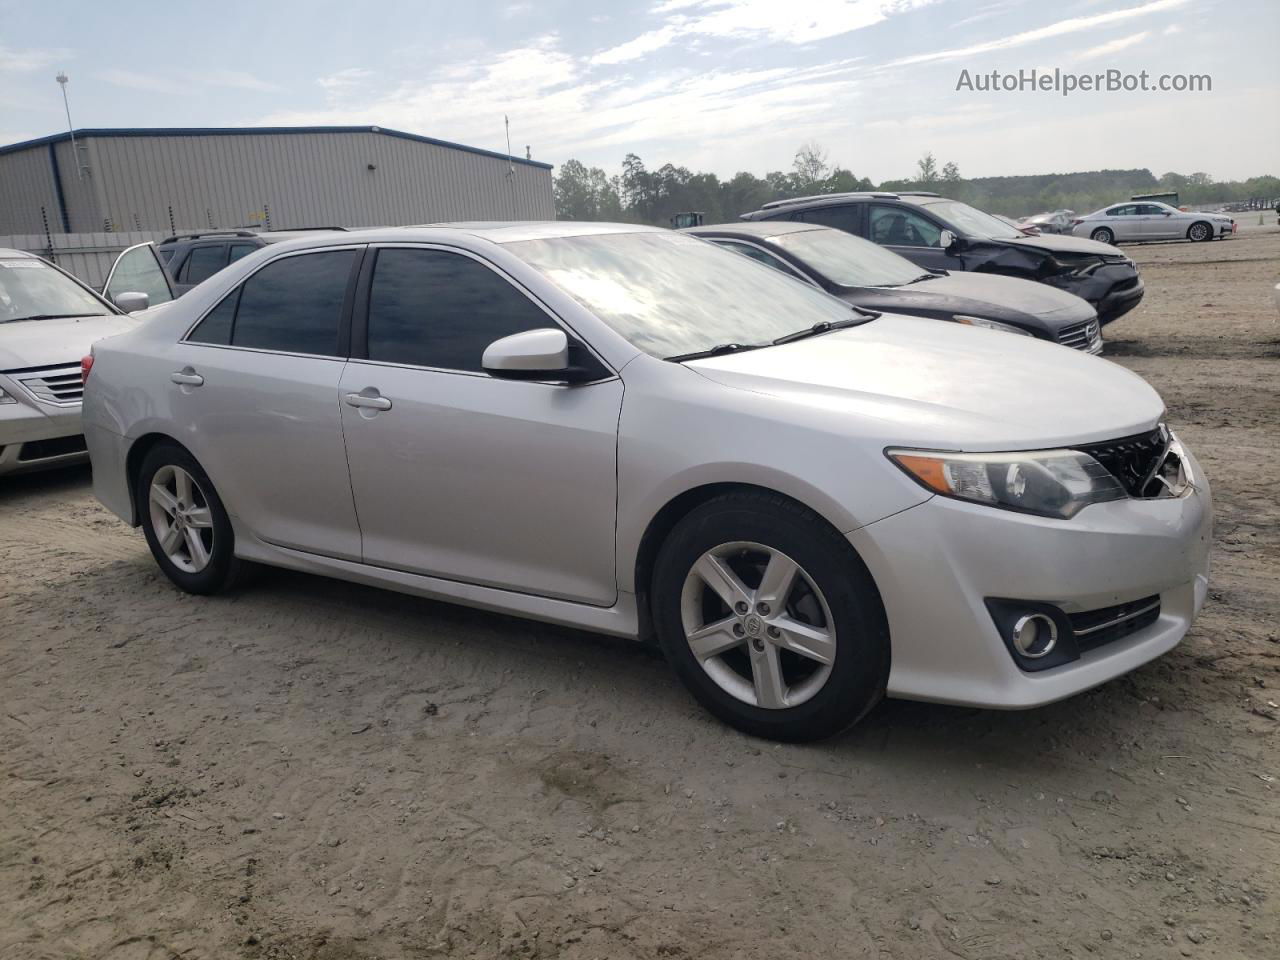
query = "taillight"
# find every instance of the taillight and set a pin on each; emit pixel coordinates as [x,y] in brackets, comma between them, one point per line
[1077,220]
[86,364]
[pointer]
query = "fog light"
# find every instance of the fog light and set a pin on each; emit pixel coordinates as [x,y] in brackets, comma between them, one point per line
[1034,635]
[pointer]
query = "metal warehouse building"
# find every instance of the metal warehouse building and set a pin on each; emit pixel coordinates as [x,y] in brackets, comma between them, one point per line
[94,181]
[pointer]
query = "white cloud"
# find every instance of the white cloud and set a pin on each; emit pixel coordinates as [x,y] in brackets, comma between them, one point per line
[561,106]
[236,80]
[1112,46]
[343,81]
[134,80]
[137,80]
[792,21]
[27,61]
[1171,29]
[1062,27]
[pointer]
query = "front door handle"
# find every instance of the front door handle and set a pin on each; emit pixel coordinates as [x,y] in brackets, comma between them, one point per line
[186,377]
[368,402]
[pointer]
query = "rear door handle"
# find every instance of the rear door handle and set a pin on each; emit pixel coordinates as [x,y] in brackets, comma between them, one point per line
[187,377]
[369,402]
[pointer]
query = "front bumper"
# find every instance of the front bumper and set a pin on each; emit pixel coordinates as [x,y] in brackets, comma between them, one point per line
[1112,289]
[936,564]
[33,439]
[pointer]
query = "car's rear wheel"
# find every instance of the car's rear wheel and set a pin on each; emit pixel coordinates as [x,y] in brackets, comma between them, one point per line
[770,619]
[185,524]
[1199,231]
[1103,235]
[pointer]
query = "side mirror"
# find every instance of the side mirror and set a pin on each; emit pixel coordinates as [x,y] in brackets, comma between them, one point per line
[532,355]
[131,302]
[946,239]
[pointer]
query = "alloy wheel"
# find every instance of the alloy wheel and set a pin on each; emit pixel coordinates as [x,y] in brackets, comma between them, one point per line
[181,519]
[1199,231]
[758,625]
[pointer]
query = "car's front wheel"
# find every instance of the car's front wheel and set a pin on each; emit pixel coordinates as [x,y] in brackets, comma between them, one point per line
[1199,231]
[1103,235]
[770,619]
[185,524]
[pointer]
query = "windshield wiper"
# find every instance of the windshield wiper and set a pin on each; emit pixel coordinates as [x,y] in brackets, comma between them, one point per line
[827,326]
[50,316]
[716,351]
[924,276]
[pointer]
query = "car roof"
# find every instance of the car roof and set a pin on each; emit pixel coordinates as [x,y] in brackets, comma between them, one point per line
[10,254]
[755,229]
[919,197]
[493,231]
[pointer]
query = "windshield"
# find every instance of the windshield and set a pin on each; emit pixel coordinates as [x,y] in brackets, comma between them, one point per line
[32,288]
[847,260]
[971,221]
[671,294]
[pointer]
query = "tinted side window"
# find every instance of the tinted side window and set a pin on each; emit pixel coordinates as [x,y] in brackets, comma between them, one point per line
[897,226]
[203,263]
[239,250]
[755,253]
[842,218]
[431,308]
[216,325]
[295,304]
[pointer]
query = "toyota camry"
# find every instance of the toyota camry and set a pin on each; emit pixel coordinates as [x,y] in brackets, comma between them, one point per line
[624,429]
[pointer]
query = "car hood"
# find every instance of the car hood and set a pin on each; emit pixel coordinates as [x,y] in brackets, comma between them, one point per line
[915,382]
[44,343]
[1054,242]
[1008,299]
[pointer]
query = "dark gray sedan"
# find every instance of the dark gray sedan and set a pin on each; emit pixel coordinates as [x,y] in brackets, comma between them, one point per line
[869,276]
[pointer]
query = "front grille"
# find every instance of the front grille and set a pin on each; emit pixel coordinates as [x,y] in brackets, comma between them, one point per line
[62,385]
[1098,627]
[57,447]
[1081,336]
[1123,285]
[1131,460]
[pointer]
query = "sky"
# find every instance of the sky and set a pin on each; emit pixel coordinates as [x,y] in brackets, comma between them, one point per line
[714,85]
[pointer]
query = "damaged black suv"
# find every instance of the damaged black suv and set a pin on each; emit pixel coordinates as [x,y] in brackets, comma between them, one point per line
[941,234]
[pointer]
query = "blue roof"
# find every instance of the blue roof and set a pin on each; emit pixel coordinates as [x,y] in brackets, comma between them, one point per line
[252,131]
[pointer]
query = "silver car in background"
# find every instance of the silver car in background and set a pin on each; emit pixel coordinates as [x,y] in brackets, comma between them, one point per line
[48,322]
[628,430]
[1138,221]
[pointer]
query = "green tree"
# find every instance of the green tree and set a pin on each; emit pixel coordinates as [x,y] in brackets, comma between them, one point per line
[950,172]
[811,167]
[927,168]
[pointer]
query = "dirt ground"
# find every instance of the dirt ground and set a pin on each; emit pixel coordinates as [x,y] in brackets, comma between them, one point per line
[317,770]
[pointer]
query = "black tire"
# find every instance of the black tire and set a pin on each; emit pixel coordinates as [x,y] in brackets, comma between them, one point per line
[1103,235]
[1199,232]
[860,668]
[223,569]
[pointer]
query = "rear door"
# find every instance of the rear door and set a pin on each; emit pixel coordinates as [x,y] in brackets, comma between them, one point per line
[202,262]
[255,385]
[459,475]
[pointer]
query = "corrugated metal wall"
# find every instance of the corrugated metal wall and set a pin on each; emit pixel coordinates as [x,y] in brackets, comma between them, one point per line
[294,179]
[86,256]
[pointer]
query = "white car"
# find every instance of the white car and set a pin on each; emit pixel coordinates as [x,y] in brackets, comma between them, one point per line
[48,321]
[1148,220]
[630,431]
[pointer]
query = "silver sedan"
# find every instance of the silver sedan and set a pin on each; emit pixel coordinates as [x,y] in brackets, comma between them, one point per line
[631,431]
[1136,222]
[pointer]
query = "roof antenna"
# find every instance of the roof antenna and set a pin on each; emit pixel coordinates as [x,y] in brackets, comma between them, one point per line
[511,167]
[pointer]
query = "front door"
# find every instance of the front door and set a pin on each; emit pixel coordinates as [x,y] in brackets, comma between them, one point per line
[912,235]
[463,476]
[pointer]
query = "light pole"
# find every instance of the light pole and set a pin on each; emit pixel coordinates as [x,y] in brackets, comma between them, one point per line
[75,151]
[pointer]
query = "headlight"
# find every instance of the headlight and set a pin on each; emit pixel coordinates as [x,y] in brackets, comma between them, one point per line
[5,398]
[1049,483]
[990,324]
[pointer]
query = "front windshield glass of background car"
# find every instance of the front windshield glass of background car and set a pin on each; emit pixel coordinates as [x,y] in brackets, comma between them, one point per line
[972,222]
[671,294]
[847,260]
[32,288]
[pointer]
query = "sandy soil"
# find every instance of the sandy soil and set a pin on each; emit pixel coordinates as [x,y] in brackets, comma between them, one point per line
[317,770]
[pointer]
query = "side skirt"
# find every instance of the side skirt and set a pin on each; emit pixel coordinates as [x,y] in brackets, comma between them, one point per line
[620,620]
